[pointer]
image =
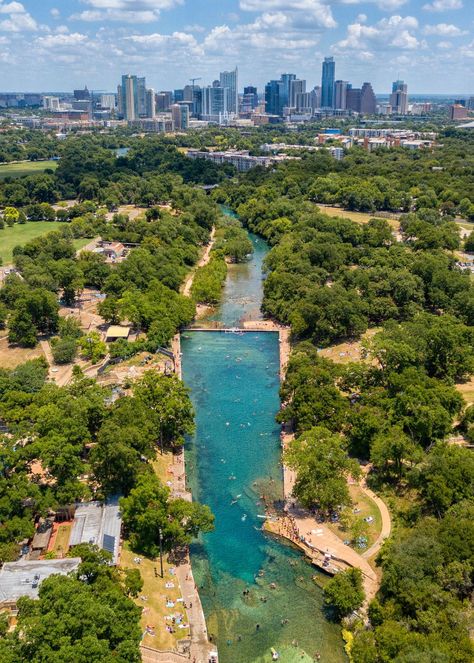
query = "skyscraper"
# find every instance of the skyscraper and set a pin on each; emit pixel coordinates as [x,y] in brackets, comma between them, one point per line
[285,84]
[230,80]
[180,115]
[250,99]
[399,98]
[128,97]
[297,87]
[368,103]
[327,83]
[353,98]
[272,98]
[340,95]
[150,103]
[214,101]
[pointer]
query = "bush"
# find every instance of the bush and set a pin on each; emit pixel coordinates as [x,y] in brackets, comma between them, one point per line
[64,350]
[344,593]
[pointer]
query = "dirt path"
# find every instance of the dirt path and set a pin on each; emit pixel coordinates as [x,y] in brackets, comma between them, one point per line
[386,522]
[186,290]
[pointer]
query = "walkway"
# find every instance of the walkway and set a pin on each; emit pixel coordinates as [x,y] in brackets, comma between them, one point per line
[386,522]
[186,291]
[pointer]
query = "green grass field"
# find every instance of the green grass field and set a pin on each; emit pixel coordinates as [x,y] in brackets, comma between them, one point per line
[25,168]
[21,233]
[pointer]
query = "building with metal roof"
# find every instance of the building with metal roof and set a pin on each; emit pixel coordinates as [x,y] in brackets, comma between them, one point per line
[24,577]
[98,524]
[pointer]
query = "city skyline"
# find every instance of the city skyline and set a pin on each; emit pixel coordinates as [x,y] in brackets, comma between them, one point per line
[427,43]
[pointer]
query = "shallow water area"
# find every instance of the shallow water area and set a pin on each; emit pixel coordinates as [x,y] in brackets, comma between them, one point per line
[257,592]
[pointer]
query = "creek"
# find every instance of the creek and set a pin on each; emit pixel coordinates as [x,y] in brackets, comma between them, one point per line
[246,577]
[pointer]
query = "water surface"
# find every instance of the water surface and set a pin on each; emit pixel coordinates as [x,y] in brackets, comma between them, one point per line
[233,462]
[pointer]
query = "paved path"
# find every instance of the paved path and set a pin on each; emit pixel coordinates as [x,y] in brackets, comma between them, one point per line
[188,284]
[386,522]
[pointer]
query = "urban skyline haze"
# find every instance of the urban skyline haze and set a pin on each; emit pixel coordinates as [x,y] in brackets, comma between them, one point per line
[59,44]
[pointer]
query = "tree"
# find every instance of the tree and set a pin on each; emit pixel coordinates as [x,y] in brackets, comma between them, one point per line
[93,347]
[21,328]
[469,243]
[322,467]
[11,215]
[446,477]
[133,582]
[64,350]
[168,401]
[149,513]
[392,450]
[344,593]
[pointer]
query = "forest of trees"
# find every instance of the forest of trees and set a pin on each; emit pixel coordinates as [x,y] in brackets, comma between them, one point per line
[332,279]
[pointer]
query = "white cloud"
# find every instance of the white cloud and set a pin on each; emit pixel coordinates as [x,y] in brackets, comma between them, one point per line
[316,11]
[443,5]
[444,30]
[61,41]
[19,20]
[445,44]
[393,32]
[55,13]
[385,5]
[126,11]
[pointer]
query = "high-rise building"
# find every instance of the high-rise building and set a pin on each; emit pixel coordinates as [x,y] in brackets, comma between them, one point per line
[368,102]
[141,91]
[327,83]
[399,98]
[297,87]
[163,101]
[180,115]
[128,97]
[108,101]
[178,96]
[458,112]
[82,95]
[285,86]
[353,98]
[150,103]
[214,101]
[340,95]
[250,99]
[230,80]
[51,103]
[272,98]
[315,96]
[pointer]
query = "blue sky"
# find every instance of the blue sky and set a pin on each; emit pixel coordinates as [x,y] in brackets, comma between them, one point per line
[62,44]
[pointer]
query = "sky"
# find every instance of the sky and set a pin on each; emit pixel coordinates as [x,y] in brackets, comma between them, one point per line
[58,45]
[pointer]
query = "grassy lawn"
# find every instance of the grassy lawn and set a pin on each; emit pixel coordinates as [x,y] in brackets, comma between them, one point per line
[26,168]
[12,356]
[367,507]
[79,243]
[467,391]
[358,217]
[61,542]
[21,233]
[344,353]
[153,600]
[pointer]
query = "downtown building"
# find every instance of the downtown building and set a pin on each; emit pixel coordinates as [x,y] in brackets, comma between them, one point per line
[134,100]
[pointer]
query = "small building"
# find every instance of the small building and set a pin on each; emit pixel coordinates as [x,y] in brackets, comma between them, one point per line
[98,524]
[114,332]
[114,250]
[23,578]
[42,536]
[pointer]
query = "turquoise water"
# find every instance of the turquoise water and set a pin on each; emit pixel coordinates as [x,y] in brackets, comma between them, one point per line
[233,462]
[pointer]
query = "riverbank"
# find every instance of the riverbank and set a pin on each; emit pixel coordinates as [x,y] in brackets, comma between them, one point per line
[203,261]
[201,649]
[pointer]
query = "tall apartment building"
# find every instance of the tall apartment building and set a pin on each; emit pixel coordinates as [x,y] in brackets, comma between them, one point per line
[368,102]
[399,98]
[133,100]
[250,99]
[297,88]
[180,116]
[340,95]
[353,98]
[214,101]
[150,104]
[230,80]
[327,83]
